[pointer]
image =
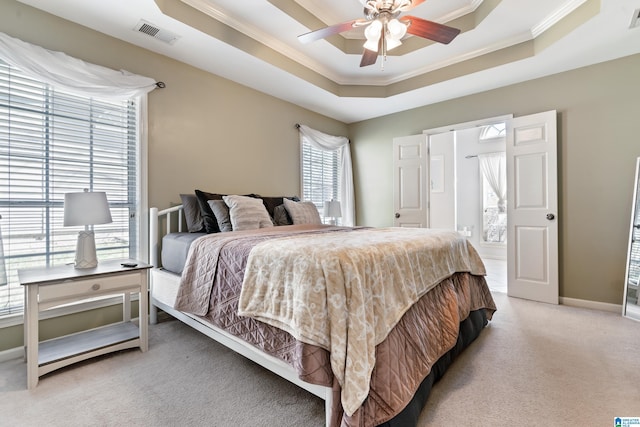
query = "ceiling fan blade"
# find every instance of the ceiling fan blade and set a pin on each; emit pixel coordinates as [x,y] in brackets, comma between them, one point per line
[369,57]
[430,30]
[328,31]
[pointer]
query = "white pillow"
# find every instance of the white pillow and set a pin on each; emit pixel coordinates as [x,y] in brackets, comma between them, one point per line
[247,213]
[302,212]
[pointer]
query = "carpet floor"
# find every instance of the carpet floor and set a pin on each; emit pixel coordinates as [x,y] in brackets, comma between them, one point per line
[534,365]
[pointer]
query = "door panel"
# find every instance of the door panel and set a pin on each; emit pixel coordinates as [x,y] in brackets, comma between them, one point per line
[531,245]
[531,193]
[410,172]
[532,207]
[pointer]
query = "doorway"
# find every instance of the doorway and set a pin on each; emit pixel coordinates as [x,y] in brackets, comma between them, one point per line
[427,191]
[476,207]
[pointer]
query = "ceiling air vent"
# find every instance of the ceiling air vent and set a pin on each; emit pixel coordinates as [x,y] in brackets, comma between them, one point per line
[157,33]
[635,20]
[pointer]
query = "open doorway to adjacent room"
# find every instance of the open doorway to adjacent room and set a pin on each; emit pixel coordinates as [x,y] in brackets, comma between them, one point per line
[481,195]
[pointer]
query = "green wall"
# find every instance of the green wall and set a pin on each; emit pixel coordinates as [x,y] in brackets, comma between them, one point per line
[210,133]
[598,110]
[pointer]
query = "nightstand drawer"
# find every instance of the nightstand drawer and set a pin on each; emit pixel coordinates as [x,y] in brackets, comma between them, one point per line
[86,288]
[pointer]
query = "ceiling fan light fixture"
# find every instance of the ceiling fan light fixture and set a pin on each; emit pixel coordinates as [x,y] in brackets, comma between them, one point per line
[384,31]
[392,43]
[373,33]
[396,29]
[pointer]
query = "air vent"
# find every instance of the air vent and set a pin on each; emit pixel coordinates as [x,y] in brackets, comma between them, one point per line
[635,20]
[157,33]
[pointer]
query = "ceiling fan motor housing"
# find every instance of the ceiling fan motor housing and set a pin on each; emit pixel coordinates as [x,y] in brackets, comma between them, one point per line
[374,8]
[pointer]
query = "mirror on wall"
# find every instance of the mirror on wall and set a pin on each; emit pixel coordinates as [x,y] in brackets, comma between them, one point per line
[631,304]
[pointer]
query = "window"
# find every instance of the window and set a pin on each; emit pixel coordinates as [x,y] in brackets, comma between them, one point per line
[494,218]
[494,203]
[51,143]
[319,175]
[493,131]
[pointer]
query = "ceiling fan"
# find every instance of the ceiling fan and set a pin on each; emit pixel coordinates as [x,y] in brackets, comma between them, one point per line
[385,30]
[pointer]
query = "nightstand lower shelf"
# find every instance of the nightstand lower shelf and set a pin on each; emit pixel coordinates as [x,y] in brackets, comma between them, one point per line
[84,345]
[60,352]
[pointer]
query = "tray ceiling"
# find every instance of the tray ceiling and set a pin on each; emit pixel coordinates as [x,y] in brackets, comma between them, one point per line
[254,42]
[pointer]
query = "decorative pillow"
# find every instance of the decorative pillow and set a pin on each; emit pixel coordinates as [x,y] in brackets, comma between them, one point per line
[271,202]
[280,216]
[221,212]
[247,213]
[192,216]
[208,218]
[302,212]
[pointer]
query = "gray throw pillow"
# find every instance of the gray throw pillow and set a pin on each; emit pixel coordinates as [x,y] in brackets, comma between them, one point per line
[192,216]
[247,213]
[280,216]
[221,212]
[302,212]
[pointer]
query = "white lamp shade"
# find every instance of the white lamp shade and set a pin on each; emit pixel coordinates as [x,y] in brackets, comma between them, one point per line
[86,208]
[332,209]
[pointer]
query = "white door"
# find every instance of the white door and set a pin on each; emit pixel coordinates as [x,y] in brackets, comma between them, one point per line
[532,207]
[410,177]
[442,177]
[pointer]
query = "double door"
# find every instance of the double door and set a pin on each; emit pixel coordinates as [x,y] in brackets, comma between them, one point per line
[532,205]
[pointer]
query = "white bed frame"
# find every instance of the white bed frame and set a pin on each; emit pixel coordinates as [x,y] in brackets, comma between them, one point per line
[164,282]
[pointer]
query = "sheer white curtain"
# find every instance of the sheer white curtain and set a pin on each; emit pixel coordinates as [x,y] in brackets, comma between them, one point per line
[323,141]
[494,169]
[71,74]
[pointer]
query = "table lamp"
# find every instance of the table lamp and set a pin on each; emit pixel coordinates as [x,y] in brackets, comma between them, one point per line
[86,208]
[332,210]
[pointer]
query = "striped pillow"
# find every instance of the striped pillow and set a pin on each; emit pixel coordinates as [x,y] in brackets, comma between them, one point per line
[247,213]
[302,212]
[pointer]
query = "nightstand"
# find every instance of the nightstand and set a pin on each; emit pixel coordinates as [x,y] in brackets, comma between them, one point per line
[50,287]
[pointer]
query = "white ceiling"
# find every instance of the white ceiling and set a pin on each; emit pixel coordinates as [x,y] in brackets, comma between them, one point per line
[316,75]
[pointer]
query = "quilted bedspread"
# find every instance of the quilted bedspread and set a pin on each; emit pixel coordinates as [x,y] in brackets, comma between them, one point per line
[346,291]
[211,287]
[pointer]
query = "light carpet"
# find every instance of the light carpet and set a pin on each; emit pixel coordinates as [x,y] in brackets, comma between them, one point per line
[534,365]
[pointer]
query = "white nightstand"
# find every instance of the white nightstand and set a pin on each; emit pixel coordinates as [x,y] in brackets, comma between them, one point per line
[50,287]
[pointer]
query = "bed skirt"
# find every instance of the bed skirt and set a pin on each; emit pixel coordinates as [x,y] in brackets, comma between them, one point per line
[470,329]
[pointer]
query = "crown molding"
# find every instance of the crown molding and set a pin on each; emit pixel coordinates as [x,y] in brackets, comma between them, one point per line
[556,16]
[266,39]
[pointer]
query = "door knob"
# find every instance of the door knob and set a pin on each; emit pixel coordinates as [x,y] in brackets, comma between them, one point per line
[397,215]
[551,216]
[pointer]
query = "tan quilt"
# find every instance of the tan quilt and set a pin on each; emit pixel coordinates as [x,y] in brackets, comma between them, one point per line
[346,291]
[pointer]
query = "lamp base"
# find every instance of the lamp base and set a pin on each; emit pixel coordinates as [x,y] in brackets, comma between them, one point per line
[86,250]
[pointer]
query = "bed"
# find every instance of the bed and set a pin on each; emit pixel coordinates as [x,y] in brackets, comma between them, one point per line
[288,297]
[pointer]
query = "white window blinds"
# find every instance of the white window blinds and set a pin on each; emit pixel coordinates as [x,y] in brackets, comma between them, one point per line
[319,175]
[51,143]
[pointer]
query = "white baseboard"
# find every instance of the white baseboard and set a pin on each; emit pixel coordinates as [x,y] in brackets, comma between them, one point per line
[594,305]
[12,353]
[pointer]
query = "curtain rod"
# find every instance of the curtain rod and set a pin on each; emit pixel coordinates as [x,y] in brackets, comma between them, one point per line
[471,156]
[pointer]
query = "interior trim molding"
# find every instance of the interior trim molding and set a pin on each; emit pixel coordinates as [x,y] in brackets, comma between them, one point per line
[12,353]
[555,17]
[594,305]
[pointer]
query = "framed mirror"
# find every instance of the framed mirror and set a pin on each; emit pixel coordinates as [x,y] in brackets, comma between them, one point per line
[631,303]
